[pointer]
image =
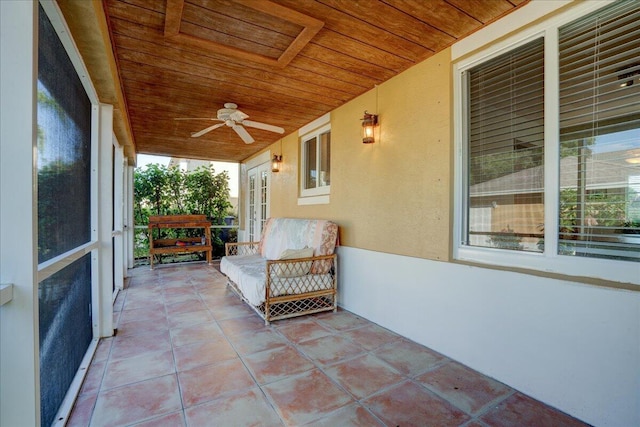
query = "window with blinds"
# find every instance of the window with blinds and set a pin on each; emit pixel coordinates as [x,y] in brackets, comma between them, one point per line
[505,150]
[599,78]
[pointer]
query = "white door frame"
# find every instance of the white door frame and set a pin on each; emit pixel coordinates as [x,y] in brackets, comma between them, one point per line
[256,166]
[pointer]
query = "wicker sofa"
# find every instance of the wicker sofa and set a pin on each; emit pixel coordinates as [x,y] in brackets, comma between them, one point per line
[291,272]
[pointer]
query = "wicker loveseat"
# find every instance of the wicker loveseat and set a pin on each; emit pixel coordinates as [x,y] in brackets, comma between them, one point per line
[292,271]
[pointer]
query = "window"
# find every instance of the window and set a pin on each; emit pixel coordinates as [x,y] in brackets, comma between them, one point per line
[548,135]
[600,134]
[315,169]
[506,150]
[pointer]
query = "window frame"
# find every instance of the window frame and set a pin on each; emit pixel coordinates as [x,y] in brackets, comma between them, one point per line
[485,46]
[324,190]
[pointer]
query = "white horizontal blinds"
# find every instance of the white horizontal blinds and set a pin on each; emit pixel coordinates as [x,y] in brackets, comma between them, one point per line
[506,150]
[600,134]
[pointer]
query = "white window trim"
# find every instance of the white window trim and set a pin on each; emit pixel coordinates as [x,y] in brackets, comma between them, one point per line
[549,261]
[318,195]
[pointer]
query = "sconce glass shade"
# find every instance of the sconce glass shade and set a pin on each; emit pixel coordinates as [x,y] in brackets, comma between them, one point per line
[369,122]
[275,163]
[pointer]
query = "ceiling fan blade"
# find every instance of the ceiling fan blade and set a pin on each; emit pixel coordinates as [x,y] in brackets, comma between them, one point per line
[195,118]
[242,132]
[263,126]
[205,130]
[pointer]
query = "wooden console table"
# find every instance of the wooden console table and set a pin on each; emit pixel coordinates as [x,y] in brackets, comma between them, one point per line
[182,245]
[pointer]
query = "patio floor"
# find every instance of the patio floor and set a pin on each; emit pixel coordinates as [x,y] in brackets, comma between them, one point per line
[188,352]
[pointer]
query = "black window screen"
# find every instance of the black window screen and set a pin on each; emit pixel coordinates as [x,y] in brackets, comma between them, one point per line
[65,332]
[64,150]
[64,218]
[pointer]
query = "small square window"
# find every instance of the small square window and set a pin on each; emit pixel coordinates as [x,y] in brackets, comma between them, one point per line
[315,170]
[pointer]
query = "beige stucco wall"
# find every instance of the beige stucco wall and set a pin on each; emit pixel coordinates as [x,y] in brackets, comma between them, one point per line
[392,196]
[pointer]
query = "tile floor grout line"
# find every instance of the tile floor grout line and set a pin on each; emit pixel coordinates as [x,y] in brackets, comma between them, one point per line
[489,406]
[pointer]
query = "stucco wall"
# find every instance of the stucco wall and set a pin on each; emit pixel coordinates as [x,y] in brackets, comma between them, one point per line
[392,196]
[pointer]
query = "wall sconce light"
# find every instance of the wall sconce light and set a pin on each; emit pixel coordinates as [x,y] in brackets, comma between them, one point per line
[369,122]
[275,163]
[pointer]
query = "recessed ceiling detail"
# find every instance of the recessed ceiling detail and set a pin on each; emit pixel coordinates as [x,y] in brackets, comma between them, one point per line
[253,30]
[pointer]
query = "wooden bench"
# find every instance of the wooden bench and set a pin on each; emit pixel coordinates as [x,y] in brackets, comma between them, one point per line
[183,245]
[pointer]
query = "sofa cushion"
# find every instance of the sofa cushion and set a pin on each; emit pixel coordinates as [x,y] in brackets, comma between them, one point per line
[294,269]
[248,272]
[280,234]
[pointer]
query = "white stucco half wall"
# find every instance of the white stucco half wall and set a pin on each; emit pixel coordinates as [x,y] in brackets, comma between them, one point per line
[573,346]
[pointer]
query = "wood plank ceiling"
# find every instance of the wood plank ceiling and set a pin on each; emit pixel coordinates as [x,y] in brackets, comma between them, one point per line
[283,62]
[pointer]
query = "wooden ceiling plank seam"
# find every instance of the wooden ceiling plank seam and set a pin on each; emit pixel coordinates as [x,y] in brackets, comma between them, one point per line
[249,79]
[362,51]
[393,20]
[361,30]
[481,10]
[211,106]
[310,65]
[221,134]
[153,5]
[256,85]
[234,9]
[291,15]
[498,16]
[248,32]
[223,137]
[160,96]
[155,102]
[214,102]
[241,44]
[346,62]
[136,15]
[285,99]
[426,24]
[439,15]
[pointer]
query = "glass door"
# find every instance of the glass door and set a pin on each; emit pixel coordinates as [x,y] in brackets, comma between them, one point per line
[257,212]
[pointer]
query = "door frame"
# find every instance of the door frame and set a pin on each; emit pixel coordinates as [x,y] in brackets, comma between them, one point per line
[258,164]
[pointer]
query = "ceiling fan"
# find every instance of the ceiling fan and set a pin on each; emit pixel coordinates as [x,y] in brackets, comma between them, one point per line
[235,119]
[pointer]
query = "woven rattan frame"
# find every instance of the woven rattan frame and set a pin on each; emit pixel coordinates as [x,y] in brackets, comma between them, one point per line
[297,296]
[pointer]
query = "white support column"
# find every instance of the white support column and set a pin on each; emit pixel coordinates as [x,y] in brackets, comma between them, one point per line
[118,211]
[19,348]
[125,216]
[130,231]
[102,291]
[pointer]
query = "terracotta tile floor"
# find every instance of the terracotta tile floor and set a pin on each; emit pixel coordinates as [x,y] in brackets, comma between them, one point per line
[188,352]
